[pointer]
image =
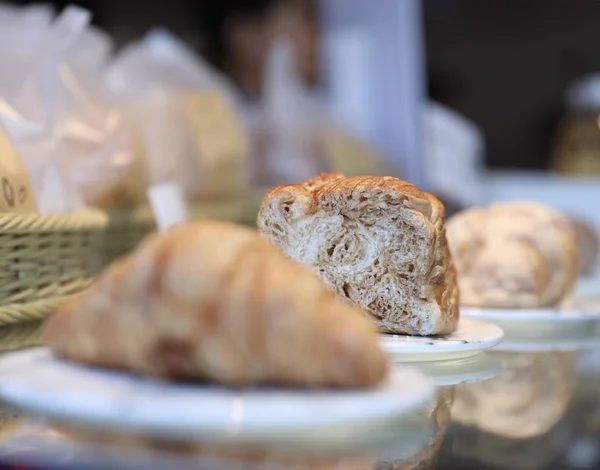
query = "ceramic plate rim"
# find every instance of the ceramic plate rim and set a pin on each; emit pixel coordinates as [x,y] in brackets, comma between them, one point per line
[397,344]
[531,315]
[16,389]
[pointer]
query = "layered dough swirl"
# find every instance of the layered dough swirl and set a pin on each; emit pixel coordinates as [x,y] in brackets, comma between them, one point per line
[377,241]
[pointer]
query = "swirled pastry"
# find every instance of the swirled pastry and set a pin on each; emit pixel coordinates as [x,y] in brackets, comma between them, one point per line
[377,241]
[215,301]
[513,255]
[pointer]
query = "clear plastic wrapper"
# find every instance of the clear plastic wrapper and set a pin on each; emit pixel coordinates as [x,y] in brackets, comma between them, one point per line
[23,25]
[97,144]
[75,146]
[185,114]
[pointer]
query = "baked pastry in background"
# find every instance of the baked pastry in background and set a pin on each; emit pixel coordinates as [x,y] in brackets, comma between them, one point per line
[586,239]
[377,241]
[215,301]
[513,255]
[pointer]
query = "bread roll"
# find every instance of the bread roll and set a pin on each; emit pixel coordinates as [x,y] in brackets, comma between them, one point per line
[513,255]
[215,301]
[377,241]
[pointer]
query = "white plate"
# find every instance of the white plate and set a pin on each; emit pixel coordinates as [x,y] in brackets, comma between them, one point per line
[36,382]
[469,338]
[538,323]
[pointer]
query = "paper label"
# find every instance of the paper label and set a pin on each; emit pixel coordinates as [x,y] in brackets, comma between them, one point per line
[16,192]
[168,204]
[219,140]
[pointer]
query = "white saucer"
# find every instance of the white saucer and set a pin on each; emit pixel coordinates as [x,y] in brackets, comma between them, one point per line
[469,338]
[537,323]
[40,384]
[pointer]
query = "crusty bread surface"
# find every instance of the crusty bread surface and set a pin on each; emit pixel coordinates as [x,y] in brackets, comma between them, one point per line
[377,241]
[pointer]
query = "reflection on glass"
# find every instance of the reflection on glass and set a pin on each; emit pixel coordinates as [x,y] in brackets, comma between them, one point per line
[437,417]
[585,410]
[528,398]
[33,442]
[516,419]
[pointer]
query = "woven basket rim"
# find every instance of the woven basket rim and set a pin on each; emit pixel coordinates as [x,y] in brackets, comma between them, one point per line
[87,219]
[30,311]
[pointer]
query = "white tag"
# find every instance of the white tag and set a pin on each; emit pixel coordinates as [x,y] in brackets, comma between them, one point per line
[168,204]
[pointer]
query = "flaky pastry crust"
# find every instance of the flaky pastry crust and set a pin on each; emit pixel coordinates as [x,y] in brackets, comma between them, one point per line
[215,301]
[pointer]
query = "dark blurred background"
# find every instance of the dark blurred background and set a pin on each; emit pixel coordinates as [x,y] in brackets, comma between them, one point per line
[505,64]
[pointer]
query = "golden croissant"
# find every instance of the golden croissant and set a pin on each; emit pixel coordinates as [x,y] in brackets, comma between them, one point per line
[216,302]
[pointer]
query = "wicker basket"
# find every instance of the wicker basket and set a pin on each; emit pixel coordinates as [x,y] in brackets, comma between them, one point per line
[23,335]
[44,258]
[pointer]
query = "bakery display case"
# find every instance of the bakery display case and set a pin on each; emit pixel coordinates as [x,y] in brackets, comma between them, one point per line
[302,248]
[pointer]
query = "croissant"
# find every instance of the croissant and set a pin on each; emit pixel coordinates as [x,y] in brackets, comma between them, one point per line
[376,241]
[513,255]
[214,301]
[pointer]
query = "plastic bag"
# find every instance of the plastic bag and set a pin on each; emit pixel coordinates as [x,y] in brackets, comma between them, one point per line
[23,26]
[295,136]
[97,143]
[185,114]
[53,106]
